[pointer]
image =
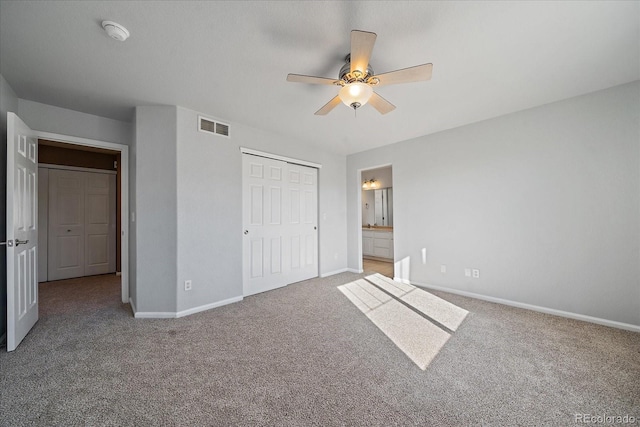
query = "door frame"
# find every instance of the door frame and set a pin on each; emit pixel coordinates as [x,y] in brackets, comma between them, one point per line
[124,191]
[359,210]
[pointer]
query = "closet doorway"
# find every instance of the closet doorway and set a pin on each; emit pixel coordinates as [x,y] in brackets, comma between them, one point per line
[78,211]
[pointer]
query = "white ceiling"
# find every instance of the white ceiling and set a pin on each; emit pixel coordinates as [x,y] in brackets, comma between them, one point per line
[230,59]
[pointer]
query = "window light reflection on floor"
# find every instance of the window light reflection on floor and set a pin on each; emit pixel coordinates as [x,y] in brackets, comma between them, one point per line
[417,322]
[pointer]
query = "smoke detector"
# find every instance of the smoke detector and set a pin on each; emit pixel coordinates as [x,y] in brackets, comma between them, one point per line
[115,30]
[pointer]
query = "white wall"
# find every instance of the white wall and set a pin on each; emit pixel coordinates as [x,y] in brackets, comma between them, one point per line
[544,202]
[8,103]
[209,170]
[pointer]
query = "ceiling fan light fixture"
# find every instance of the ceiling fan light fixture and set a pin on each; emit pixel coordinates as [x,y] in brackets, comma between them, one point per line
[355,94]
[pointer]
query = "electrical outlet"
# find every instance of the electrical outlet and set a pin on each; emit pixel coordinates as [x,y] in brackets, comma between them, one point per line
[443,268]
[467,272]
[187,285]
[476,273]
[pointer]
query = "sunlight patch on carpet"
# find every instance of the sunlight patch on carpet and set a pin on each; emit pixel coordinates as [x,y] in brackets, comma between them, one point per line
[442,311]
[418,337]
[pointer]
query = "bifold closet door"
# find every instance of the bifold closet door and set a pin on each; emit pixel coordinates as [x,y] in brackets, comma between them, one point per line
[280,233]
[66,224]
[100,223]
[81,224]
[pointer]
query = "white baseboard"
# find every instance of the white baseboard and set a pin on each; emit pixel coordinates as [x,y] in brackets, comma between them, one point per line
[355,270]
[174,315]
[332,273]
[154,315]
[561,313]
[208,306]
[118,273]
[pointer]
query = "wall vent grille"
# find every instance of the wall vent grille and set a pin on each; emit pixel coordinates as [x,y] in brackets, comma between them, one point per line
[212,126]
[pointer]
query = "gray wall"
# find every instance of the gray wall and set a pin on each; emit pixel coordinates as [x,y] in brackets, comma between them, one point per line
[156,209]
[544,202]
[210,207]
[8,103]
[48,118]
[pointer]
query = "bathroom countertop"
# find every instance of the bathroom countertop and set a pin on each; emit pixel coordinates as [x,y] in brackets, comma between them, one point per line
[378,227]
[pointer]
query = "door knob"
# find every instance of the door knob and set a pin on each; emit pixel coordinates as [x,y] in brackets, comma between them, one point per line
[21,242]
[246,231]
[315,228]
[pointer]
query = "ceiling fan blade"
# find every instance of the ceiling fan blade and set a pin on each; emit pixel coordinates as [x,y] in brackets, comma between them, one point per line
[299,78]
[361,47]
[382,105]
[406,75]
[328,106]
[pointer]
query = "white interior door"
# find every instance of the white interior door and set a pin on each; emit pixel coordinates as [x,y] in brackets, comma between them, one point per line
[280,223]
[66,224]
[100,223]
[22,233]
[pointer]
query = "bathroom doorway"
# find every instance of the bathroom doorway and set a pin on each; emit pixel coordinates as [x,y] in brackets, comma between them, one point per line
[377,221]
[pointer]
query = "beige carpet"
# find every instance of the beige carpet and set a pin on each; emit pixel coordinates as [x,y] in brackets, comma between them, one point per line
[306,355]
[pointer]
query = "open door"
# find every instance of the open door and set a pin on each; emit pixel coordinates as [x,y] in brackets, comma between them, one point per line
[22,233]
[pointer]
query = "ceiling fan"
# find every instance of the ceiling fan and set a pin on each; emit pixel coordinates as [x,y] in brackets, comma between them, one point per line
[357,78]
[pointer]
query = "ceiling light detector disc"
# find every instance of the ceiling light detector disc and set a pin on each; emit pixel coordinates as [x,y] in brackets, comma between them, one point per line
[115,30]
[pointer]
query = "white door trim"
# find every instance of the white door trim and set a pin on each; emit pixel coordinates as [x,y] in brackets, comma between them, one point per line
[124,192]
[245,150]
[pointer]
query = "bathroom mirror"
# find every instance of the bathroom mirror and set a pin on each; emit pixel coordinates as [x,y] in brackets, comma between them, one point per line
[377,207]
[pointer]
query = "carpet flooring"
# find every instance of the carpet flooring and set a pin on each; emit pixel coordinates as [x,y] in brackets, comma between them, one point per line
[305,355]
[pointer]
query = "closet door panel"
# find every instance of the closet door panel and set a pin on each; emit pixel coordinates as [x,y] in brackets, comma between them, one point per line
[66,224]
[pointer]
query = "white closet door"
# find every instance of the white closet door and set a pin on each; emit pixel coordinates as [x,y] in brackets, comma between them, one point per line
[82,224]
[302,186]
[280,224]
[99,238]
[66,224]
[43,221]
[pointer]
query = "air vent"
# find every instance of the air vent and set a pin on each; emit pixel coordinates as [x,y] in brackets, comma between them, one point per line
[211,126]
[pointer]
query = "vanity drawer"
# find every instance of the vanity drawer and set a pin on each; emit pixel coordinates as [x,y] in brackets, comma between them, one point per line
[368,233]
[388,235]
[382,252]
[382,243]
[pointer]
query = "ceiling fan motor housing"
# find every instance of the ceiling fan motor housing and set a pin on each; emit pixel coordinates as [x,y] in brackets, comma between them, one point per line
[347,77]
